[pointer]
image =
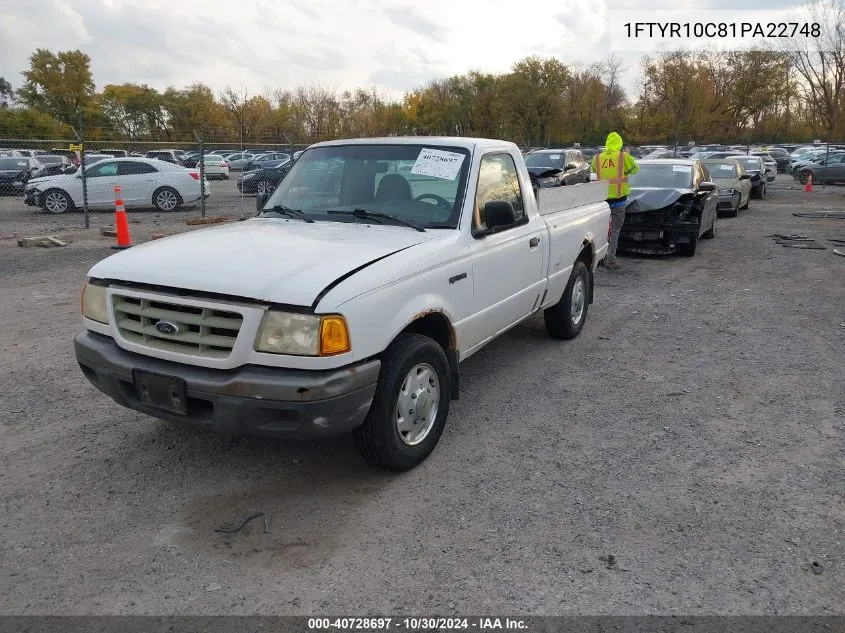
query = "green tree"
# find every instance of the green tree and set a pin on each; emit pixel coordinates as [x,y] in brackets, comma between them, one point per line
[7,93]
[59,84]
[134,111]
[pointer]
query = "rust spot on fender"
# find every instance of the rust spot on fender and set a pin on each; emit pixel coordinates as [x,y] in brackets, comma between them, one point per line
[425,313]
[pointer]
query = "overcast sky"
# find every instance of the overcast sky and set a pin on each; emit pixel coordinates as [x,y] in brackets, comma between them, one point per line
[261,45]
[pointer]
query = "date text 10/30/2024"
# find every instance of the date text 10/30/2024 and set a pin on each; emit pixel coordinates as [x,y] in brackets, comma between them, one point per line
[722,29]
[415,624]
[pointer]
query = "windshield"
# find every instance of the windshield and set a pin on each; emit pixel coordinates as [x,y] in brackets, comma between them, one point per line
[750,163]
[417,183]
[721,170]
[50,159]
[663,176]
[545,160]
[14,163]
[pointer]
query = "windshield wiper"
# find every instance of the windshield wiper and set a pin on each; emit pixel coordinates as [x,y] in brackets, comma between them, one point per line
[292,213]
[366,214]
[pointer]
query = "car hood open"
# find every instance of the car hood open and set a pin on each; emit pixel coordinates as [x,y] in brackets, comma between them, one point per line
[268,259]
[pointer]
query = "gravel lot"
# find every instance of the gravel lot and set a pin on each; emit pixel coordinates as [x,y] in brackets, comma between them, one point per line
[694,430]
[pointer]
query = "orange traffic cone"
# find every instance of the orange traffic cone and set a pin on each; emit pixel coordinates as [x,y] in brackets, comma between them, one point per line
[809,186]
[120,221]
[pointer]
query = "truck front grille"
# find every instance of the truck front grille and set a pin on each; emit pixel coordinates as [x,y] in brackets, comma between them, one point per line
[200,331]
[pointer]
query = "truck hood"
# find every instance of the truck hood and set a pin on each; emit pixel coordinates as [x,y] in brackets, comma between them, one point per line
[268,259]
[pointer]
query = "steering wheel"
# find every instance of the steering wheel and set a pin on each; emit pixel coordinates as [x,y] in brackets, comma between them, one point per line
[441,201]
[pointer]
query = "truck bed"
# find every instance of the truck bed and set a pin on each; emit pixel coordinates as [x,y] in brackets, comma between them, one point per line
[572,214]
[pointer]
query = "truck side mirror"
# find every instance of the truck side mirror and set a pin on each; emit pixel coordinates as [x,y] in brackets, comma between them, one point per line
[499,213]
[260,201]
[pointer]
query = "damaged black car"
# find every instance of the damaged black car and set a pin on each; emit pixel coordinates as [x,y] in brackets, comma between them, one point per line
[672,204]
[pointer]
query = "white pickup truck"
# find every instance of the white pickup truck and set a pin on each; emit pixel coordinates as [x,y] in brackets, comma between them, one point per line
[347,304]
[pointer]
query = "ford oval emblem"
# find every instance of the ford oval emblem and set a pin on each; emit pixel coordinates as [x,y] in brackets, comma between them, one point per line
[168,327]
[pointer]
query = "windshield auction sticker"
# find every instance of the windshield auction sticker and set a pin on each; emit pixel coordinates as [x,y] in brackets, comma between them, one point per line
[438,163]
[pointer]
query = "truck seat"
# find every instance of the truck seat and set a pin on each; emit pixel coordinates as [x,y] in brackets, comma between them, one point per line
[393,188]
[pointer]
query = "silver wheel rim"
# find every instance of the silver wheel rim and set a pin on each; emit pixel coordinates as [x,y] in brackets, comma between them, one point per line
[418,403]
[166,200]
[579,297]
[55,202]
[264,187]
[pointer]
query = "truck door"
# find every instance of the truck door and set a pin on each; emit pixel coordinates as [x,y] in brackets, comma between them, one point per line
[507,266]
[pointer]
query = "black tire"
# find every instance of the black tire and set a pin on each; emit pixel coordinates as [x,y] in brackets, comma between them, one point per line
[378,439]
[164,197]
[56,194]
[560,322]
[710,233]
[688,249]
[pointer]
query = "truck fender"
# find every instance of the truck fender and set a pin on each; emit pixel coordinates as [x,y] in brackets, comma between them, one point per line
[424,315]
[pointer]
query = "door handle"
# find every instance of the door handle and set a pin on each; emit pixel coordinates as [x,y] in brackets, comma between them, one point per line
[534,241]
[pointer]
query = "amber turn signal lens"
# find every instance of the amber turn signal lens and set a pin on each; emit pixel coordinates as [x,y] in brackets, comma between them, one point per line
[334,336]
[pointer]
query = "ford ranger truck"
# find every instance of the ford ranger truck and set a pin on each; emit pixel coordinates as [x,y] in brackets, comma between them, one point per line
[347,304]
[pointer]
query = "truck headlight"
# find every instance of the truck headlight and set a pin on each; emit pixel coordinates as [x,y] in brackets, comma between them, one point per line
[726,192]
[553,180]
[94,303]
[302,334]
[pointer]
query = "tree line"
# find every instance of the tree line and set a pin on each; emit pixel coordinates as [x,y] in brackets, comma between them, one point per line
[792,91]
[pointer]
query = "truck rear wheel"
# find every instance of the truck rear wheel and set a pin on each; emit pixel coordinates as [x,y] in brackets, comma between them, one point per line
[566,318]
[409,410]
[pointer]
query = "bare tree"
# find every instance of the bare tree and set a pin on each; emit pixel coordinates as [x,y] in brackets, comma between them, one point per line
[235,103]
[820,62]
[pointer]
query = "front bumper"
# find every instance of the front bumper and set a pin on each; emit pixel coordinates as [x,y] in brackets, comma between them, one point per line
[656,238]
[728,202]
[248,186]
[8,186]
[253,400]
[32,197]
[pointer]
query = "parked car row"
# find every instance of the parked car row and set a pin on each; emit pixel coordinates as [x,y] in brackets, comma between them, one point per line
[824,164]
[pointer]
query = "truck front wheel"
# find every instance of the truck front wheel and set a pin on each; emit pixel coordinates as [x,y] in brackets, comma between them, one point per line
[410,407]
[565,319]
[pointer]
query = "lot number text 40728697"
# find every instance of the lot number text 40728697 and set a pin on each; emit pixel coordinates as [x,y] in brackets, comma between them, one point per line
[416,624]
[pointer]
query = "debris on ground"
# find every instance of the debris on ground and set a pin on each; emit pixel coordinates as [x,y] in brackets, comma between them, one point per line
[817,567]
[838,252]
[238,524]
[213,220]
[797,241]
[832,215]
[610,560]
[267,524]
[108,231]
[45,241]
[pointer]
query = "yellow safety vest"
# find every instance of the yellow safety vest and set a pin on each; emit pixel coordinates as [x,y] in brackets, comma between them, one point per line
[610,166]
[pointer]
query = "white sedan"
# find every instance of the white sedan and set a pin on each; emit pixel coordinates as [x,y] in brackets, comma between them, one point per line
[144,183]
[215,166]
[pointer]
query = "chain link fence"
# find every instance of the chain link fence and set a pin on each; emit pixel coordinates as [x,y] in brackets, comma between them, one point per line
[68,183]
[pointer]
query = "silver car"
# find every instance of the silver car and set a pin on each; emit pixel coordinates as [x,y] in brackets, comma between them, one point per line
[239,160]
